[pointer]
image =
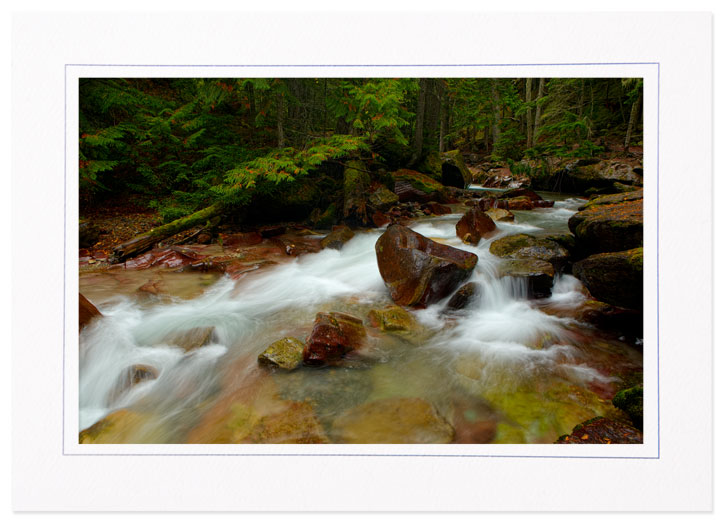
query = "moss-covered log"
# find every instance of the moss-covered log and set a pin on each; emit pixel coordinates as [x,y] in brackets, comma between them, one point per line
[146,241]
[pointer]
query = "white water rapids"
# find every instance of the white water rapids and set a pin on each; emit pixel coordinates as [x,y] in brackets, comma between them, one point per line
[501,344]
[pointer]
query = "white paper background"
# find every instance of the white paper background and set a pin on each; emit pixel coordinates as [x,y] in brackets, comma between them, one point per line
[45,479]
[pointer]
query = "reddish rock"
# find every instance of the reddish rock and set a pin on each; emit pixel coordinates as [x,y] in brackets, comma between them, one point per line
[517,203]
[333,335]
[521,192]
[463,296]
[473,225]
[417,270]
[543,204]
[380,219]
[235,240]
[437,209]
[601,430]
[173,257]
[204,238]
[272,231]
[86,312]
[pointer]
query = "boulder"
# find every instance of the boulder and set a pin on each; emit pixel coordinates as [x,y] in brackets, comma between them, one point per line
[431,165]
[418,271]
[403,420]
[285,353]
[436,208]
[473,225]
[333,335]
[543,204]
[631,401]
[86,312]
[356,184]
[499,214]
[392,319]
[382,199]
[602,430]
[521,192]
[612,227]
[454,171]
[337,238]
[524,246]
[192,338]
[380,219]
[517,203]
[615,278]
[464,296]
[413,186]
[539,275]
[297,423]
[129,378]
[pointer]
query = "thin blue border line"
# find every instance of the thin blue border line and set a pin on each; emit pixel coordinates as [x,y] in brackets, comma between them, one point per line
[65,204]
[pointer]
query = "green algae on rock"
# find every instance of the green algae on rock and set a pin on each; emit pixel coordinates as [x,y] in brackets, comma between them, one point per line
[285,353]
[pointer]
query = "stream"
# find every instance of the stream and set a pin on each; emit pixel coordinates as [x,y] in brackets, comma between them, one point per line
[506,369]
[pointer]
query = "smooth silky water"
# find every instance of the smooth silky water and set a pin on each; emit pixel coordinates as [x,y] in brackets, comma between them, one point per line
[503,361]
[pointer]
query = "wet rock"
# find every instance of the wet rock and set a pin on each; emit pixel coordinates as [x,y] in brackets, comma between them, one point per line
[524,246]
[615,278]
[413,186]
[337,238]
[129,378]
[192,338]
[298,423]
[431,165]
[543,204]
[473,225]
[610,227]
[121,426]
[602,430]
[454,171]
[88,234]
[603,173]
[238,240]
[473,423]
[499,214]
[392,319]
[464,296]
[382,199]
[333,335]
[172,257]
[521,192]
[631,401]
[86,312]
[403,420]
[285,353]
[272,231]
[356,184]
[380,219]
[204,238]
[436,208]
[151,287]
[517,203]
[621,321]
[418,271]
[617,198]
[538,274]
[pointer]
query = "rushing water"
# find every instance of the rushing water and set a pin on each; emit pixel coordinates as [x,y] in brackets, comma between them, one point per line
[506,363]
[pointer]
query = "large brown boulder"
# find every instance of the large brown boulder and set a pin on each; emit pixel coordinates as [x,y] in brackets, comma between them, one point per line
[86,311]
[417,270]
[473,225]
[333,335]
[523,246]
[539,275]
[413,186]
[615,278]
[454,171]
[609,227]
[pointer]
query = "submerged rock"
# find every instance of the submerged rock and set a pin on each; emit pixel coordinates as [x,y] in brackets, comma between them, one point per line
[333,335]
[403,420]
[473,225]
[129,378]
[121,426]
[602,430]
[192,338]
[418,271]
[337,238]
[298,423]
[614,278]
[86,312]
[631,401]
[538,274]
[285,353]
[524,246]
[392,319]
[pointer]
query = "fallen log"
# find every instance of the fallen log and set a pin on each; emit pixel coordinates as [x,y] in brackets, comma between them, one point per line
[146,241]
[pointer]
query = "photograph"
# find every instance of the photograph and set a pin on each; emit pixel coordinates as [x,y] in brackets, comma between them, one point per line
[361,260]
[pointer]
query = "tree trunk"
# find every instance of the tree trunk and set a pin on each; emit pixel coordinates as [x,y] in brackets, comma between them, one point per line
[633,116]
[252,106]
[280,120]
[537,118]
[496,132]
[419,121]
[146,241]
[529,116]
[442,146]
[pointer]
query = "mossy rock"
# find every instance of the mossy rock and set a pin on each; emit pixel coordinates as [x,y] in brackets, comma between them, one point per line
[121,426]
[523,246]
[454,171]
[393,318]
[614,227]
[297,424]
[285,353]
[382,199]
[432,165]
[356,182]
[324,220]
[419,181]
[616,198]
[538,274]
[337,238]
[631,401]
[615,278]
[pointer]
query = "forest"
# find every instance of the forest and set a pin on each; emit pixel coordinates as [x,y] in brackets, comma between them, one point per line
[361,260]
